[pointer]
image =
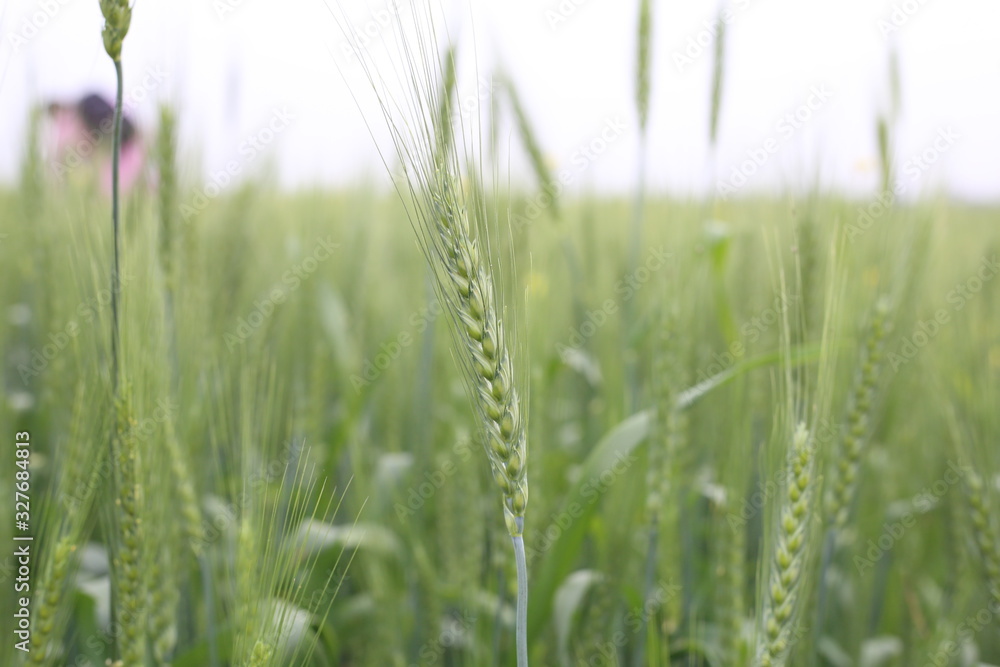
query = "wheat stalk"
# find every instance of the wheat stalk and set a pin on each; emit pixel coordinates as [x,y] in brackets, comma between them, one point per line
[668,438]
[718,73]
[117,18]
[467,284]
[645,31]
[166,166]
[733,559]
[129,557]
[790,556]
[642,88]
[529,140]
[984,530]
[856,431]
[46,643]
[450,220]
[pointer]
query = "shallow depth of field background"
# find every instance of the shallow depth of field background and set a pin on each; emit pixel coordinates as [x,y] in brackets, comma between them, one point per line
[226,65]
[284,338]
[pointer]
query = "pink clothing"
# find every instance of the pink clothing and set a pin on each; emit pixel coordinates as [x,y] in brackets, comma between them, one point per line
[129,168]
[71,144]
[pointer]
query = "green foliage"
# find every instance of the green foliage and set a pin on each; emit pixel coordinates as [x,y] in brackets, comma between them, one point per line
[333,363]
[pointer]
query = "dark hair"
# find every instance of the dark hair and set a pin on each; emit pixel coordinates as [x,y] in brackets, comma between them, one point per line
[98,114]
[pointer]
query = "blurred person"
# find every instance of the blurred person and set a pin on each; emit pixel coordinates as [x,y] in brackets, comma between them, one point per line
[80,134]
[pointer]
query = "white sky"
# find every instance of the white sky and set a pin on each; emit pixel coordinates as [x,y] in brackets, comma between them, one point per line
[228,73]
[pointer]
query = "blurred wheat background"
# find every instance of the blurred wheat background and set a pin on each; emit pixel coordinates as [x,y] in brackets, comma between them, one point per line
[740,270]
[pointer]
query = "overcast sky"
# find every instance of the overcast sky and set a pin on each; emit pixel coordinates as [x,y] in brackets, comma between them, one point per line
[236,68]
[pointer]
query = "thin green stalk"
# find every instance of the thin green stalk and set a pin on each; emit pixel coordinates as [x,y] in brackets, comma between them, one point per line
[521,627]
[205,568]
[635,246]
[115,225]
[642,88]
[125,593]
[647,586]
[718,72]
[664,448]
[532,147]
[451,219]
[117,19]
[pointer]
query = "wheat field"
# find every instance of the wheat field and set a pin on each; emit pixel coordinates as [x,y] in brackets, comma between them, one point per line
[299,427]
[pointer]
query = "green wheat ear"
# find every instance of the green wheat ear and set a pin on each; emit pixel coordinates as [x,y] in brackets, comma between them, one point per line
[984,530]
[490,370]
[642,62]
[860,406]
[46,644]
[130,564]
[117,18]
[789,560]
[718,72]
[452,224]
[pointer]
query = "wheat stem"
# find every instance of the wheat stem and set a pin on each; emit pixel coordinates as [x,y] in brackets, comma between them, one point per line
[116,270]
[521,627]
